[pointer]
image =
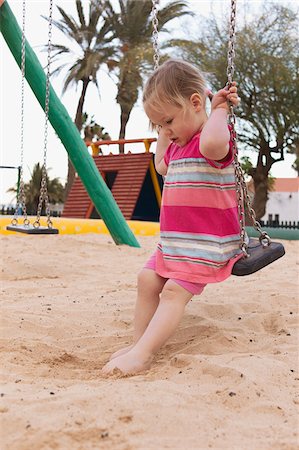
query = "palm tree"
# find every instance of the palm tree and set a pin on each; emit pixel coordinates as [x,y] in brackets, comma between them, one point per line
[92,130]
[90,49]
[32,190]
[132,28]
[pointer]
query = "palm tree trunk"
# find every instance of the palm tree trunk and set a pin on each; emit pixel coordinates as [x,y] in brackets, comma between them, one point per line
[124,118]
[71,173]
[79,113]
[78,122]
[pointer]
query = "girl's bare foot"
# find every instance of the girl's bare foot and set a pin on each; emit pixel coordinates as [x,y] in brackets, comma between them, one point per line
[129,363]
[120,352]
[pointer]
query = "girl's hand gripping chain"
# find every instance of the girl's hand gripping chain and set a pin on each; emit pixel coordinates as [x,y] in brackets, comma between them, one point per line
[215,134]
[225,95]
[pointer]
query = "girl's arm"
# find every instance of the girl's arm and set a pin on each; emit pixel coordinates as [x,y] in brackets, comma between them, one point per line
[214,139]
[162,145]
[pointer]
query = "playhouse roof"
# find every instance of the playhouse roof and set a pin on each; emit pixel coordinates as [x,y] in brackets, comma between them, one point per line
[130,170]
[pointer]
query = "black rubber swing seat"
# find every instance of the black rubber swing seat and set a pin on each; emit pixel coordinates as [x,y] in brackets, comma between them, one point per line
[259,257]
[30,229]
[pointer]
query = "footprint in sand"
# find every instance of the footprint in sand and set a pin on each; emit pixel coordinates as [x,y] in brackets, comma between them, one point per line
[181,361]
[273,324]
[206,368]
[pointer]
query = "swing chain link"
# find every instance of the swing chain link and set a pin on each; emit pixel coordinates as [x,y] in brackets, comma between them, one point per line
[155,33]
[44,190]
[243,197]
[21,202]
[231,43]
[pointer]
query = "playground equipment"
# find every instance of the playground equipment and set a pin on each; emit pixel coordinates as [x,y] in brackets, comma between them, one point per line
[27,227]
[147,144]
[67,131]
[131,177]
[18,168]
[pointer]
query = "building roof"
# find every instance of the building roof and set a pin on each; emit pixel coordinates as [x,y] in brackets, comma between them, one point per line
[280,185]
[286,184]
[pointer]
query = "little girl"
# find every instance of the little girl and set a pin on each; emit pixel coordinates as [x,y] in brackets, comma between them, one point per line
[199,226]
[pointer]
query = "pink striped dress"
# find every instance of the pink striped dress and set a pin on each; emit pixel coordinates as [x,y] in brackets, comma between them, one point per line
[199,226]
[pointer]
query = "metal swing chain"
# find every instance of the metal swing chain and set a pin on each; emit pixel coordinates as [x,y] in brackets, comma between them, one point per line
[155,33]
[43,190]
[21,201]
[243,197]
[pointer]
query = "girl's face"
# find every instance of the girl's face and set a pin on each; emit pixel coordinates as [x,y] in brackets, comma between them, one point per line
[179,124]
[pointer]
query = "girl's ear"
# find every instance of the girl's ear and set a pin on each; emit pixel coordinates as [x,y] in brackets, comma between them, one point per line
[196,101]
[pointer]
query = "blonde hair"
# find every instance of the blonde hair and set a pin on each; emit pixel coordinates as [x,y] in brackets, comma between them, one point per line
[173,83]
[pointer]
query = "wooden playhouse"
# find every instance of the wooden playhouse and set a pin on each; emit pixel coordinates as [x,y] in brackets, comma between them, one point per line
[132,179]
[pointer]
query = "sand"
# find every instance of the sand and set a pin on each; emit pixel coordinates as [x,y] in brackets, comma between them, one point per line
[227,379]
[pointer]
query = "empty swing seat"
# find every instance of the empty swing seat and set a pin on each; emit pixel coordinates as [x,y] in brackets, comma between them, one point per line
[30,229]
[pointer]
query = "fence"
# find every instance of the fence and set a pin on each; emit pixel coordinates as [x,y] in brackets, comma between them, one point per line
[277,224]
[7,211]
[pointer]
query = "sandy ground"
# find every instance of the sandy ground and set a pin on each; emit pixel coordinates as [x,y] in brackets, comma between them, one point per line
[226,380]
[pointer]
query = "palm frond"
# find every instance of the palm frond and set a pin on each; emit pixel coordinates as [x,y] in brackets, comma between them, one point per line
[80,12]
[69,21]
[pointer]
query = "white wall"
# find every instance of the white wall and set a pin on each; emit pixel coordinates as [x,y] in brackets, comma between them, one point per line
[285,204]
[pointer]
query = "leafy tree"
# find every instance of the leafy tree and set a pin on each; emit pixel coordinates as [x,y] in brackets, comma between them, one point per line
[266,71]
[93,131]
[32,190]
[89,49]
[132,28]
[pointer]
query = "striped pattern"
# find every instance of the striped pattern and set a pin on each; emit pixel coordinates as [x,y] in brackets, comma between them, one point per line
[200,232]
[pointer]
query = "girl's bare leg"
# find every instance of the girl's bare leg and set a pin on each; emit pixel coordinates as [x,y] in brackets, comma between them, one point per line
[149,287]
[163,324]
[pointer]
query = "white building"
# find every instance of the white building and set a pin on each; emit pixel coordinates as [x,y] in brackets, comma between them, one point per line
[283,203]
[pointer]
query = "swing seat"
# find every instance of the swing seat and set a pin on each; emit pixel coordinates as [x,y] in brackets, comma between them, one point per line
[30,229]
[259,257]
